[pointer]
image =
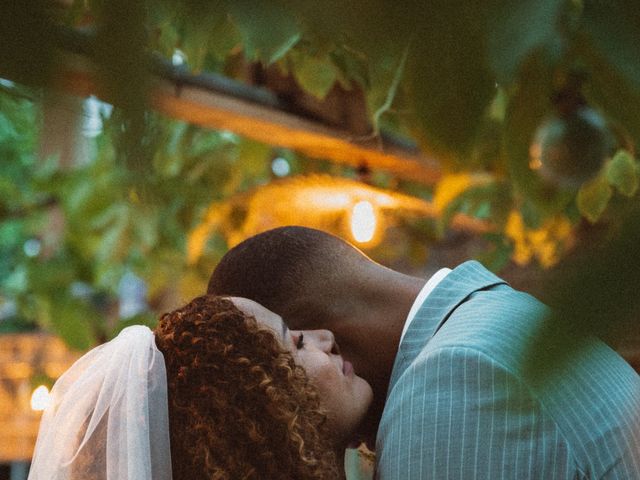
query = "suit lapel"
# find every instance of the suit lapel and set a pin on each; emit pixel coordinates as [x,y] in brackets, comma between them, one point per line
[461,282]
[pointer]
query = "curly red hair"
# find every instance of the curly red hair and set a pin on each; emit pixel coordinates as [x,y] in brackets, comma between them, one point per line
[239,407]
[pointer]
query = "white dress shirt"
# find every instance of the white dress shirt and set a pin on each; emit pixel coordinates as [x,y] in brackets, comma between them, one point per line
[424,293]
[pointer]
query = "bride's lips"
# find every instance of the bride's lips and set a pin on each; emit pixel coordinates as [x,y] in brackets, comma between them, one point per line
[347,368]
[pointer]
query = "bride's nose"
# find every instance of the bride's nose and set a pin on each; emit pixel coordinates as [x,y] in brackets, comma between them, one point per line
[325,340]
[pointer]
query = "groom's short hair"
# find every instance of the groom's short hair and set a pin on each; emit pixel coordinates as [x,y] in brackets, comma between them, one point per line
[279,268]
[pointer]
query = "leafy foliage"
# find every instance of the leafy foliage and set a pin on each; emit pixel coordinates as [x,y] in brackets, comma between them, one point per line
[593,198]
[114,221]
[471,82]
[622,173]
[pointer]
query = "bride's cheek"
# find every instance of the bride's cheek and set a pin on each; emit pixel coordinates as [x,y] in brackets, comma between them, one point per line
[325,379]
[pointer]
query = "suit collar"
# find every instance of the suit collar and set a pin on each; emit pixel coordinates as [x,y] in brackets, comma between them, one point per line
[454,289]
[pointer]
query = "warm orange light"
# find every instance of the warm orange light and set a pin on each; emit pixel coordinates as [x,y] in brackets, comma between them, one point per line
[363,221]
[535,154]
[40,398]
[338,205]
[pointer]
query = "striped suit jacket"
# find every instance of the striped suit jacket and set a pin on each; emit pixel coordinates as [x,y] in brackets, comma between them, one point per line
[459,406]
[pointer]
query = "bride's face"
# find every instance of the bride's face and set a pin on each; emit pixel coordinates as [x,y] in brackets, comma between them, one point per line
[344,394]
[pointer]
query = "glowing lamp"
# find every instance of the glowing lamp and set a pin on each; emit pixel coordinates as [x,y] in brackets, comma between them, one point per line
[342,206]
[40,398]
[363,221]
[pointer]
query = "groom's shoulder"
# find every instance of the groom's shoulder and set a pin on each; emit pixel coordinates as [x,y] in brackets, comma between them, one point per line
[471,282]
[488,302]
[470,274]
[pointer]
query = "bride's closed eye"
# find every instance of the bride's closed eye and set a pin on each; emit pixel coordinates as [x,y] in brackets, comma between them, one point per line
[300,341]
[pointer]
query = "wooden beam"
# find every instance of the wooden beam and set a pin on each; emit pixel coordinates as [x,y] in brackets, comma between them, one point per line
[265,123]
[270,125]
[274,127]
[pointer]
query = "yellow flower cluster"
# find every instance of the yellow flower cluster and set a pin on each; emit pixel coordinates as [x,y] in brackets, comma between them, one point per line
[545,244]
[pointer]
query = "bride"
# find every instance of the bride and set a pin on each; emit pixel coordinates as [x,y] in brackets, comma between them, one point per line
[222,389]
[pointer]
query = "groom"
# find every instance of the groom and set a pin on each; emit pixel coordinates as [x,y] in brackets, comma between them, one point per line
[448,355]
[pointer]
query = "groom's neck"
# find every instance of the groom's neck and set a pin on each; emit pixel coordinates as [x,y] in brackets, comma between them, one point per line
[386,310]
[383,313]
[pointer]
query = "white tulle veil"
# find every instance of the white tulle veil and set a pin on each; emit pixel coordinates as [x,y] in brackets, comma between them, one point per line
[109,416]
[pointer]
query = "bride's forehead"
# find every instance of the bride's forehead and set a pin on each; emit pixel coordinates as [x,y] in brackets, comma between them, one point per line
[262,315]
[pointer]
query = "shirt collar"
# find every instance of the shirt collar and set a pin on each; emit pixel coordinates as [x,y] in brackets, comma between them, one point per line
[428,287]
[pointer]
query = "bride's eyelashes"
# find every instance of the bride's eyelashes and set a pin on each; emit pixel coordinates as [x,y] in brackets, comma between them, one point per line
[300,341]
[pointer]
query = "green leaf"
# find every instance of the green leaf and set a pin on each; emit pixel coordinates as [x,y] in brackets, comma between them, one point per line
[589,300]
[614,27]
[16,325]
[391,92]
[120,54]
[8,131]
[527,109]
[486,199]
[515,29]
[223,38]
[353,68]
[146,225]
[611,92]
[497,257]
[315,75]
[532,216]
[593,198]
[17,281]
[168,39]
[73,320]
[27,43]
[621,173]
[37,308]
[51,275]
[268,29]
[169,158]
[114,242]
[75,11]
[194,46]
[449,95]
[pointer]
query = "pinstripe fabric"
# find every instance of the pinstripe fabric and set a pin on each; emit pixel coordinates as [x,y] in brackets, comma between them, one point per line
[459,406]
